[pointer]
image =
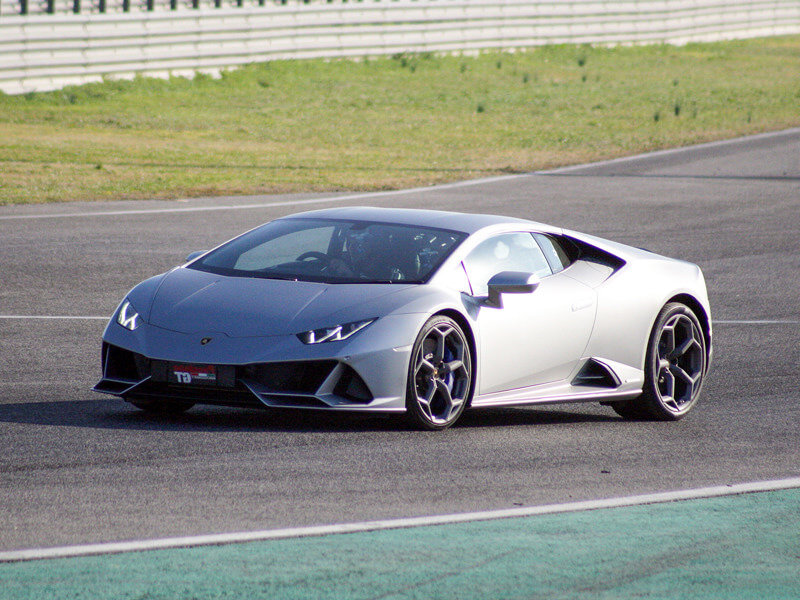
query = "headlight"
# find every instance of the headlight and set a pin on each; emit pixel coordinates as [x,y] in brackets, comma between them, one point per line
[127,316]
[333,334]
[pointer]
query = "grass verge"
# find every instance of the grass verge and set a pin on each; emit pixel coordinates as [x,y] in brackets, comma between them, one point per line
[383,123]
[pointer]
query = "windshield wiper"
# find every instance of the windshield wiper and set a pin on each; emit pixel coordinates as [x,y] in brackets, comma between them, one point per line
[281,276]
[390,281]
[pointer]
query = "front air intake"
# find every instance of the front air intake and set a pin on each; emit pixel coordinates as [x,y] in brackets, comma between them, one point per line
[297,377]
[351,387]
[120,364]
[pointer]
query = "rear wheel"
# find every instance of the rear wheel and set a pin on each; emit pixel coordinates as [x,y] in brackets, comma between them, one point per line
[440,374]
[162,408]
[674,367]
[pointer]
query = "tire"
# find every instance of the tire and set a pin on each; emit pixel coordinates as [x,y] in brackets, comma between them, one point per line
[675,366]
[439,375]
[161,408]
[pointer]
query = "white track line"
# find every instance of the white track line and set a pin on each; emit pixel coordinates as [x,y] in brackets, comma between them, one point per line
[53,317]
[673,151]
[444,186]
[100,318]
[322,200]
[296,532]
[754,322]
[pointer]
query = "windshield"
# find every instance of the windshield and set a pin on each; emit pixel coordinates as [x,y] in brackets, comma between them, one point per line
[334,251]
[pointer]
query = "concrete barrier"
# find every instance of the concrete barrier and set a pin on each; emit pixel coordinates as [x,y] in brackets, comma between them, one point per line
[47,51]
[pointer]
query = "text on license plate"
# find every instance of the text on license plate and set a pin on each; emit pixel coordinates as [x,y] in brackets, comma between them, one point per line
[194,373]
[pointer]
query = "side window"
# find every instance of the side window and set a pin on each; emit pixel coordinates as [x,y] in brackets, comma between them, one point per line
[505,252]
[553,251]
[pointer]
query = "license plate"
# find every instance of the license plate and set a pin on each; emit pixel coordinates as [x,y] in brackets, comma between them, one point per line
[194,374]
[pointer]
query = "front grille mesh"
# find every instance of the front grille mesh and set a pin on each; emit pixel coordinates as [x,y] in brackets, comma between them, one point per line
[301,377]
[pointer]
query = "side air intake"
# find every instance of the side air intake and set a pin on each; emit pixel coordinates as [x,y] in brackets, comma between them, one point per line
[596,374]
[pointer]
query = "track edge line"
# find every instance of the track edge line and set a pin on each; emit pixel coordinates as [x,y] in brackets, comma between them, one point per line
[402,523]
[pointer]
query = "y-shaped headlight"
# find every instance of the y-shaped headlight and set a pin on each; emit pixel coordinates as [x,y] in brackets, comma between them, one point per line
[127,316]
[333,334]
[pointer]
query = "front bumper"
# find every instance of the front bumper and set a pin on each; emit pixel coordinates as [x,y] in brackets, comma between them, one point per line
[367,373]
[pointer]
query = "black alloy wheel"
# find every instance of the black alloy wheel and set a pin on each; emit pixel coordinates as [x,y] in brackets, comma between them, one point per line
[440,374]
[674,367]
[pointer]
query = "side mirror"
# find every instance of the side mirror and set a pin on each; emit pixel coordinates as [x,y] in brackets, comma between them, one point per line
[510,282]
[193,255]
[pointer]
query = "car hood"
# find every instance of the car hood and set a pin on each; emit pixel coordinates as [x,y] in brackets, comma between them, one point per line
[191,301]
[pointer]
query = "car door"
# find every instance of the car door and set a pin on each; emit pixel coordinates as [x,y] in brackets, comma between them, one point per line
[535,337]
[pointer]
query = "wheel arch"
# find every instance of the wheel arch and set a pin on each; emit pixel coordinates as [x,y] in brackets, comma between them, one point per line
[702,316]
[467,329]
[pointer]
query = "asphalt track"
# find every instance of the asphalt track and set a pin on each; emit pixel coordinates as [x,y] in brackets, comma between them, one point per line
[76,467]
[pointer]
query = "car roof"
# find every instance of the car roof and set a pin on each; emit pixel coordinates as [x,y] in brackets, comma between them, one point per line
[467,223]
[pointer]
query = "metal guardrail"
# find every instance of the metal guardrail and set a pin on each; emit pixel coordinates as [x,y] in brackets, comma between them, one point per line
[48,51]
[52,7]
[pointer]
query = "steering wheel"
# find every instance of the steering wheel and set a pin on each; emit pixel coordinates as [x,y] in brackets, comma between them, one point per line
[314,254]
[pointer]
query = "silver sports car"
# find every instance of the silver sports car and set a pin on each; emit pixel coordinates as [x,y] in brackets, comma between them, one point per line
[417,312]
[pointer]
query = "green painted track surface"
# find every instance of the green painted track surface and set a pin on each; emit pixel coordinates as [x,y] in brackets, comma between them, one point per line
[745,546]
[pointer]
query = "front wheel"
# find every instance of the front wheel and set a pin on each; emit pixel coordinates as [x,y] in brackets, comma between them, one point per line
[439,375]
[674,367]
